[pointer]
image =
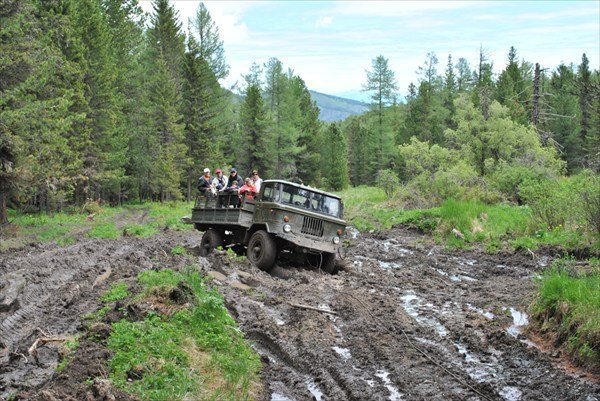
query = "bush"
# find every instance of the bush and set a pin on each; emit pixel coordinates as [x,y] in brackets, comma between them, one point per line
[508,179]
[389,182]
[549,201]
[590,205]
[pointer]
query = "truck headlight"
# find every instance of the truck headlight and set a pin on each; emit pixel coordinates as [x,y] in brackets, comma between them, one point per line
[287,228]
[336,240]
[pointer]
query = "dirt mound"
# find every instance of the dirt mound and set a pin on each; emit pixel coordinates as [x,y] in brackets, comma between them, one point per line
[46,289]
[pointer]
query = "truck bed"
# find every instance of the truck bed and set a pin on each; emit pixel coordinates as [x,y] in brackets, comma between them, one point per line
[210,213]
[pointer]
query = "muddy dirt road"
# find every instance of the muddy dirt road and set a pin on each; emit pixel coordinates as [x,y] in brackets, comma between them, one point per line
[403,320]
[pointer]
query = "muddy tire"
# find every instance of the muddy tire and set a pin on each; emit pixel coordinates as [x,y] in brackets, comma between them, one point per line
[211,239]
[328,263]
[262,250]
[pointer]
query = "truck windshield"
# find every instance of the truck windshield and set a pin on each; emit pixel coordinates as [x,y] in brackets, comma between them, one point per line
[309,200]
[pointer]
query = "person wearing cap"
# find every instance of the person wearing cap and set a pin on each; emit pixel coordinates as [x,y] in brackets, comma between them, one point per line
[221,180]
[234,176]
[248,189]
[205,183]
[256,180]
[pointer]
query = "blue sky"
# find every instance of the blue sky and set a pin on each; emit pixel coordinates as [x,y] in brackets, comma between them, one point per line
[330,44]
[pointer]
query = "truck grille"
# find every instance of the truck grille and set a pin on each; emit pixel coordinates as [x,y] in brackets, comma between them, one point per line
[312,226]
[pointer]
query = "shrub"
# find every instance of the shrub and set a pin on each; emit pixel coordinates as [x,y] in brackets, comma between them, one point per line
[590,205]
[549,201]
[508,179]
[388,181]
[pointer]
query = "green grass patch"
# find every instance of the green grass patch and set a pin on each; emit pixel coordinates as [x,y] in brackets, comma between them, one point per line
[104,230]
[368,208]
[568,307]
[99,222]
[194,353]
[116,292]
[140,230]
[178,250]
[496,227]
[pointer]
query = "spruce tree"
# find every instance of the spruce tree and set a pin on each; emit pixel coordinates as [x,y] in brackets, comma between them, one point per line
[381,81]
[256,147]
[335,158]
[203,107]
[210,45]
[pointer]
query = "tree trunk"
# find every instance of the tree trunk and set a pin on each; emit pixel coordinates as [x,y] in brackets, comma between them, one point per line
[3,212]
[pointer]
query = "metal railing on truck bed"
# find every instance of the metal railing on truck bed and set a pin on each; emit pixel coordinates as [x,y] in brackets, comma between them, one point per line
[223,209]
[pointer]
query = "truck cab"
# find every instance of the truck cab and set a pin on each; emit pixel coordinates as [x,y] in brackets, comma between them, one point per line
[285,220]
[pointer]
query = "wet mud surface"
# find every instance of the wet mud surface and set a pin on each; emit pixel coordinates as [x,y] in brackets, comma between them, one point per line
[403,320]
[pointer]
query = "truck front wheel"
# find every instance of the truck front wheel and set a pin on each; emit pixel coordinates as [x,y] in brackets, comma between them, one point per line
[211,239]
[328,263]
[262,250]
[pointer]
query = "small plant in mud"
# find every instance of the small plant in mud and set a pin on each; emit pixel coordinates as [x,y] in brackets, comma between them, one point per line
[195,352]
[68,351]
[116,292]
[234,256]
[139,230]
[178,250]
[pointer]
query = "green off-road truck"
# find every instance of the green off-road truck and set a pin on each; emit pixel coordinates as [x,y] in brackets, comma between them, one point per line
[285,220]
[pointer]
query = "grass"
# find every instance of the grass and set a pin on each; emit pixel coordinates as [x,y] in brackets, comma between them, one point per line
[116,292]
[195,352]
[66,227]
[568,305]
[496,227]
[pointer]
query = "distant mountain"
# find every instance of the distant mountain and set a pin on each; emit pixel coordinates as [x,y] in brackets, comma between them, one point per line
[334,108]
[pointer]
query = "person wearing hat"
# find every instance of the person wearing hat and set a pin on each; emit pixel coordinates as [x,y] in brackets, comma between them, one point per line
[205,183]
[234,176]
[221,180]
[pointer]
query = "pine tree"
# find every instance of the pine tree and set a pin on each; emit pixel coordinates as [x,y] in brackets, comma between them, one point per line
[308,161]
[105,148]
[585,90]
[335,158]
[562,120]
[381,80]
[203,107]
[514,87]
[165,38]
[168,150]
[256,147]
[360,160]
[449,93]
[210,45]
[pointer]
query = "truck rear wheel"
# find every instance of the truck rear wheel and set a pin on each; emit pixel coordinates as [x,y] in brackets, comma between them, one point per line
[328,263]
[211,239]
[262,250]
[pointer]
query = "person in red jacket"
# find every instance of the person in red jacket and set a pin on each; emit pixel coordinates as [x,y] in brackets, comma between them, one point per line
[249,189]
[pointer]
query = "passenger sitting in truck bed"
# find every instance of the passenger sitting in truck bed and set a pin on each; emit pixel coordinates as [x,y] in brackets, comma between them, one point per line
[221,180]
[248,189]
[234,198]
[205,183]
[234,177]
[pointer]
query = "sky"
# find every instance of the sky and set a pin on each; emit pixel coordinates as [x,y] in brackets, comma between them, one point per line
[330,44]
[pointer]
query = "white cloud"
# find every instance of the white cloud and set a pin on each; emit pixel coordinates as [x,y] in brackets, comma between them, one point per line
[324,21]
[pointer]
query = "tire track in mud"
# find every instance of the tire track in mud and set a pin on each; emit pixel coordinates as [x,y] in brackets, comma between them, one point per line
[46,289]
[455,306]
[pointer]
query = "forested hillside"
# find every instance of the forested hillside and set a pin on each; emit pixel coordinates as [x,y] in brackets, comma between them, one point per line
[101,102]
[335,108]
